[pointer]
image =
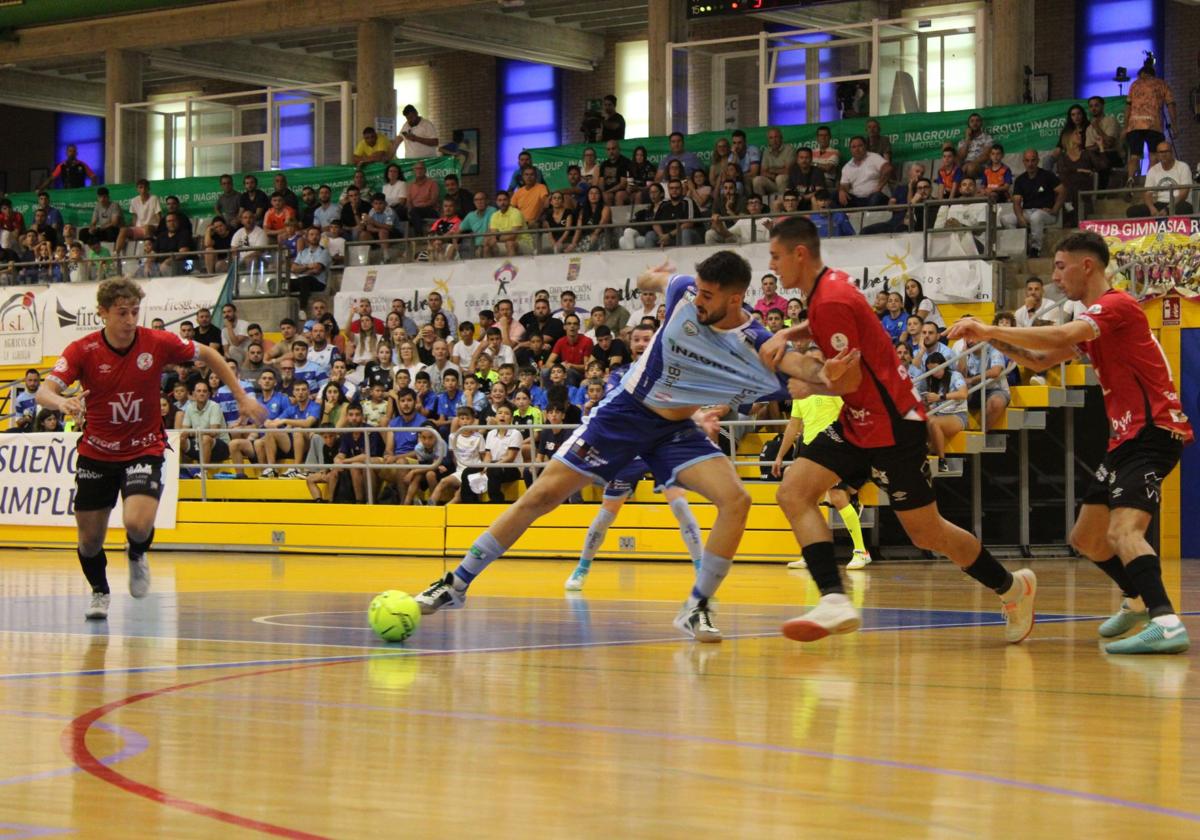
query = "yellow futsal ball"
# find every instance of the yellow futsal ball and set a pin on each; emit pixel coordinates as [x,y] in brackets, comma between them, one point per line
[394,615]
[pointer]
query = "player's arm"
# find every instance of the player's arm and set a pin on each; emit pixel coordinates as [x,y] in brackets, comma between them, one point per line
[1039,348]
[656,279]
[247,405]
[49,395]
[794,428]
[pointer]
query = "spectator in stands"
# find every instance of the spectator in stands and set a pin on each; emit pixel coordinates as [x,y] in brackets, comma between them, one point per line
[308,206]
[72,173]
[989,366]
[972,152]
[572,350]
[635,236]
[918,216]
[283,347]
[322,351]
[501,446]
[950,175]
[326,212]
[248,241]
[674,220]
[205,332]
[234,335]
[253,199]
[431,451]
[610,351]
[829,224]
[729,201]
[524,161]
[531,198]
[594,216]
[616,316]
[24,402]
[287,435]
[877,141]
[146,212]
[200,412]
[401,309]
[589,169]
[804,178]
[743,230]
[478,222]
[962,215]
[930,342]
[172,239]
[1168,172]
[420,135]
[614,124]
[359,448]
[495,349]
[372,148]
[310,269]
[335,242]
[255,362]
[1103,134]
[1037,197]
[776,161]
[503,224]
[1078,170]
[12,223]
[747,157]
[229,202]
[559,223]
[641,176]
[441,363]
[916,303]
[441,326]
[864,177]
[944,393]
[276,216]
[380,223]
[826,158]
[53,217]
[359,182]
[433,305]
[45,231]
[614,174]
[770,298]
[1143,117]
[444,245]
[677,152]
[721,154]
[306,369]
[106,224]
[894,317]
[354,212]
[463,351]
[699,191]
[1035,312]
[996,179]
[289,197]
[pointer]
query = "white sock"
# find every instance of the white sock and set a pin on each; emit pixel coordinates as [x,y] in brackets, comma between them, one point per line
[689,528]
[595,536]
[1171,620]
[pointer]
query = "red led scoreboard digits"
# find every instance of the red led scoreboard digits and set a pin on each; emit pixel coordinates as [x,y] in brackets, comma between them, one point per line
[714,8]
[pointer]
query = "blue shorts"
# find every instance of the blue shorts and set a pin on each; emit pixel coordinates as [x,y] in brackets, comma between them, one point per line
[627,480]
[621,430]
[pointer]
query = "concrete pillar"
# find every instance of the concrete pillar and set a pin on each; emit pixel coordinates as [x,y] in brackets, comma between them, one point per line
[1012,49]
[667,22]
[122,84]
[374,76]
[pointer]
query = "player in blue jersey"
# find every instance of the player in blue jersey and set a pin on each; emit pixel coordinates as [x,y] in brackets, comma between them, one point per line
[705,353]
[618,491]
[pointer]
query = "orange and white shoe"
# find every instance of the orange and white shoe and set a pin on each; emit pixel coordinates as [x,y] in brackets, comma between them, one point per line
[833,615]
[1018,606]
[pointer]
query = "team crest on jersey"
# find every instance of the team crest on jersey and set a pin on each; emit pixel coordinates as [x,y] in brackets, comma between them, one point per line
[60,366]
[1095,309]
[839,342]
[690,329]
[144,361]
[106,368]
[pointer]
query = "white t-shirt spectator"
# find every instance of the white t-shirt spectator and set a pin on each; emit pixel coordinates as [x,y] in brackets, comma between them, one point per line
[468,451]
[503,356]
[395,192]
[500,441]
[741,229]
[256,238]
[235,351]
[1025,318]
[461,354]
[1158,177]
[415,148]
[148,212]
[863,178]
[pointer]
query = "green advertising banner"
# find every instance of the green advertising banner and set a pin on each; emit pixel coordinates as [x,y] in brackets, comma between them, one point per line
[198,196]
[914,136]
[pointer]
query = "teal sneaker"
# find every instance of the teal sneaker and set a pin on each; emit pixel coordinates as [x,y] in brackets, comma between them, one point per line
[575,581]
[1154,639]
[1123,620]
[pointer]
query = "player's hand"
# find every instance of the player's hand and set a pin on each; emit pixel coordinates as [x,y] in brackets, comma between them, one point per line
[800,390]
[73,405]
[774,348]
[251,409]
[841,364]
[777,467]
[971,329]
[709,420]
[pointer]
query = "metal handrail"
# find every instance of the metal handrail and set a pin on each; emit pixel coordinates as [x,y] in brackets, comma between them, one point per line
[113,261]
[1087,197]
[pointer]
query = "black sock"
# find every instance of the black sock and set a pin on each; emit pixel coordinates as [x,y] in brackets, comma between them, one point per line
[139,548]
[1146,574]
[988,571]
[93,570]
[1115,569]
[823,568]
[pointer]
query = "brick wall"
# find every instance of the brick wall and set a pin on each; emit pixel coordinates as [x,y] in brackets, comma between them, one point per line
[1054,21]
[1179,68]
[462,94]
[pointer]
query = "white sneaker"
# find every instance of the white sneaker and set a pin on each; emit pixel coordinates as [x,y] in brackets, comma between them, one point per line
[860,560]
[98,608]
[696,621]
[575,581]
[441,594]
[268,473]
[798,564]
[1018,607]
[292,473]
[833,614]
[1037,379]
[139,577]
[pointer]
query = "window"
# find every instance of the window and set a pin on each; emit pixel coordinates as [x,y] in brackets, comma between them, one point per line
[1112,34]
[633,86]
[529,112]
[412,88]
[86,133]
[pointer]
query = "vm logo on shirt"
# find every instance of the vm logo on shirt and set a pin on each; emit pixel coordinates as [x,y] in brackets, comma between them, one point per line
[126,409]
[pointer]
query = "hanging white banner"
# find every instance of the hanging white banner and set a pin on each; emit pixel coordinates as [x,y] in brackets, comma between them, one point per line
[37,481]
[21,333]
[874,262]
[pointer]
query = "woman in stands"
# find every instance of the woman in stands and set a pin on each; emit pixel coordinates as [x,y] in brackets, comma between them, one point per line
[366,341]
[731,172]
[559,222]
[594,212]
[720,156]
[915,303]
[333,407]
[441,326]
[1077,168]
[700,191]
[945,396]
[589,171]
[674,171]
[406,357]
[380,370]
[641,175]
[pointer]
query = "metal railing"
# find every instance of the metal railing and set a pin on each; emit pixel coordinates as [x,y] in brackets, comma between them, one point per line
[1134,194]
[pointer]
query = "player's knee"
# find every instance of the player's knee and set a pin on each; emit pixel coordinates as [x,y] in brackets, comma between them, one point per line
[1089,544]
[1124,541]
[927,537]
[736,503]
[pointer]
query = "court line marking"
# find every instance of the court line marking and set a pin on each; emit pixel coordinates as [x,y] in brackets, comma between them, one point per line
[134,744]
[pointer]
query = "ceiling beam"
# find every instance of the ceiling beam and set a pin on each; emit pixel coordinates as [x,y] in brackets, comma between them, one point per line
[51,93]
[252,64]
[229,20]
[505,36]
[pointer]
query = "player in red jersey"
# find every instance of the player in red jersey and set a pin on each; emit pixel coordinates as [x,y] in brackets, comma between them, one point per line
[121,448]
[1147,433]
[881,434]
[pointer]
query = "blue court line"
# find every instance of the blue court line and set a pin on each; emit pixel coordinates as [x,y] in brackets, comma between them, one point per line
[135,743]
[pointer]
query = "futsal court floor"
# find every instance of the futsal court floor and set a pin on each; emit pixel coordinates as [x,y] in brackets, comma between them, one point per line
[246,697]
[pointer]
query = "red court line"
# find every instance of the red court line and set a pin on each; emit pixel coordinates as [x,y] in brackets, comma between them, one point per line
[74,744]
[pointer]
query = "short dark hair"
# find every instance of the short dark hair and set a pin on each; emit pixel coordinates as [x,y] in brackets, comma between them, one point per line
[603,331]
[999,147]
[406,392]
[610,98]
[728,269]
[798,231]
[286,322]
[1033,279]
[101,191]
[1088,242]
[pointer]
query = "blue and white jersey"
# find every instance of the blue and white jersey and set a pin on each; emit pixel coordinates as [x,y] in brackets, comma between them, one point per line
[690,364]
[25,403]
[227,402]
[994,357]
[314,374]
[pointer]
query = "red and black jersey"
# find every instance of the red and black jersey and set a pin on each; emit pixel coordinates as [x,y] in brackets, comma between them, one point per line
[122,405]
[840,318]
[1132,369]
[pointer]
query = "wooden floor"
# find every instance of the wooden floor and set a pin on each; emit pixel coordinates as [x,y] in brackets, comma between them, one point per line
[245,697]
